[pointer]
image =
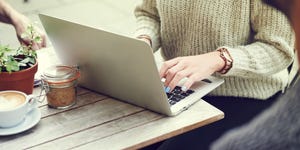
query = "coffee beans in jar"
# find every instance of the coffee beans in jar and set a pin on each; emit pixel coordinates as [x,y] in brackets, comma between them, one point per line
[60,85]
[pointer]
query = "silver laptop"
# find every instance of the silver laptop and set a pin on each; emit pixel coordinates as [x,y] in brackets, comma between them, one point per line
[119,66]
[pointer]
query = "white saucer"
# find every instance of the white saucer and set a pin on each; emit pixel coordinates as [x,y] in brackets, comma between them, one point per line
[31,120]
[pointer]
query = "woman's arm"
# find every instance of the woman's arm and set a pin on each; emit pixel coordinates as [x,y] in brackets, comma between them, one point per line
[20,22]
[272,49]
[148,23]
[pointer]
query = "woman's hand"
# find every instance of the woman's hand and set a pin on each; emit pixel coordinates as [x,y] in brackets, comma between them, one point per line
[21,23]
[194,68]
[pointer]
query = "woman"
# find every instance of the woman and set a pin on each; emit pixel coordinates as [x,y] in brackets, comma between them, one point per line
[20,23]
[247,43]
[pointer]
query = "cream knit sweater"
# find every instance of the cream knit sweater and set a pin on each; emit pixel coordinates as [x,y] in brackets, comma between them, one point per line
[258,37]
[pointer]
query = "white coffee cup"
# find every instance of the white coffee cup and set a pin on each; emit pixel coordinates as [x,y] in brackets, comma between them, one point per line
[14,106]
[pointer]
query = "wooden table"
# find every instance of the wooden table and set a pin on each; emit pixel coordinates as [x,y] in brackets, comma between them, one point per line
[101,122]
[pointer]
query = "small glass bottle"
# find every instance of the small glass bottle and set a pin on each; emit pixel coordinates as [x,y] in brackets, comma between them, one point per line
[60,85]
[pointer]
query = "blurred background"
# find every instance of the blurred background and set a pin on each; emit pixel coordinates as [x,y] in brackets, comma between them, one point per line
[110,15]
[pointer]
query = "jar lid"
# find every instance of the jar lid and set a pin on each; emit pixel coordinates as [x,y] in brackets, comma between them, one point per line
[60,74]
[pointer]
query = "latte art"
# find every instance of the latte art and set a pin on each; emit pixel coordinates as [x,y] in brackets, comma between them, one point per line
[11,100]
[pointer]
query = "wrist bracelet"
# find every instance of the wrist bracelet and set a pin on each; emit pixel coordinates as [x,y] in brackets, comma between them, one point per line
[145,37]
[224,54]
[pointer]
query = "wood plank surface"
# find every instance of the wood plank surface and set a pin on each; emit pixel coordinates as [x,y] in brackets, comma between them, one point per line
[69,122]
[100,122]
[198,115]
[102,131]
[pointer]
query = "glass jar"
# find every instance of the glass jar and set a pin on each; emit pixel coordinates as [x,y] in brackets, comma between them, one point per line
[60,85]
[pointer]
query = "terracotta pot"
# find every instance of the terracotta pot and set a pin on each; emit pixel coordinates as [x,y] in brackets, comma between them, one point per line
[20,81]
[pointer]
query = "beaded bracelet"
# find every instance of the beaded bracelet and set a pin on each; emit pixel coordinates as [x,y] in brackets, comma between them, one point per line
[145,37]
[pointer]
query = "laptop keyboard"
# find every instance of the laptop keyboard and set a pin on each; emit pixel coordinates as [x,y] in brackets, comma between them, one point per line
[177,95]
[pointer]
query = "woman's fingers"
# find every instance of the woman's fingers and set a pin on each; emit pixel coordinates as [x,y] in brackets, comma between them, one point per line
[34,45]
[177,78]
[190,81]
[166,66]
[173,71]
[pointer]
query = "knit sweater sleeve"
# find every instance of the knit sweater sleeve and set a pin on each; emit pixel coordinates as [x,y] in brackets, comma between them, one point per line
[272,48]
[148,21]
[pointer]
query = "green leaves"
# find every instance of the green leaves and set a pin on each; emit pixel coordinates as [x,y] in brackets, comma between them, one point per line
[7,62]
[4,50]
[38,39]
[12,65]
[32,35]
[12,60]
[27,60]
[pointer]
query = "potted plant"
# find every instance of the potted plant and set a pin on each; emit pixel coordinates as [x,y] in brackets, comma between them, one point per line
[18,66]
